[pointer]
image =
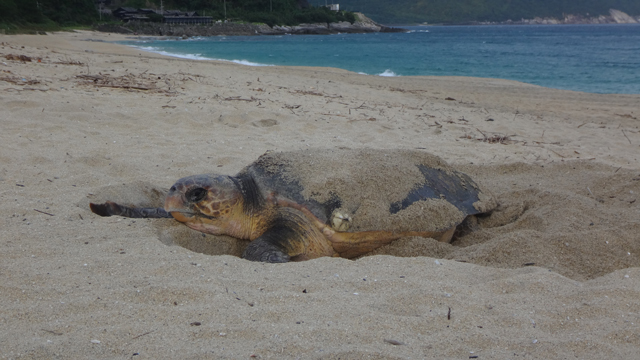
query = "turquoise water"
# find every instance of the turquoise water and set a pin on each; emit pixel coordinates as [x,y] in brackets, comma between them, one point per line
[589,58]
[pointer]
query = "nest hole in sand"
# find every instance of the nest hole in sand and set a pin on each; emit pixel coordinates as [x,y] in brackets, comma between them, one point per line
[578,219]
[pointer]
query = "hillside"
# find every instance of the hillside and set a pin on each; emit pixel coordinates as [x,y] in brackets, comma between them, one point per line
[51,14]
[465,11]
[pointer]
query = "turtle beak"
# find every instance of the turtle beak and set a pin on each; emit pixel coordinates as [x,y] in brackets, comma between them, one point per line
[175,204]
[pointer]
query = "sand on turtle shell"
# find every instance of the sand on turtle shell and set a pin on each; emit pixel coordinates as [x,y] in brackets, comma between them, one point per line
[551,274]
[367,182]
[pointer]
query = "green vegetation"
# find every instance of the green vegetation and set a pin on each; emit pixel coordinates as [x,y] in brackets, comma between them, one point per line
[45,15]
[313,15]
[50,15]
[270,12]
[465,11]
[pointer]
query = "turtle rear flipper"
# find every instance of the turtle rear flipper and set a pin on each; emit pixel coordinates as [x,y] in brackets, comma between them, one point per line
[110,208]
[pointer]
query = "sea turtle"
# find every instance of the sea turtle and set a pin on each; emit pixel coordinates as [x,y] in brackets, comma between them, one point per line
[302,205]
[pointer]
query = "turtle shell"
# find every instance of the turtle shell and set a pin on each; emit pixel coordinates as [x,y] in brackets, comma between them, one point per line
[392,190]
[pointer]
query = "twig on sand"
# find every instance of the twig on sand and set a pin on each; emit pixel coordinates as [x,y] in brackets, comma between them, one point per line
[625,135]
[141,335]
[555,152]
[393,342]
[238,98]
[43,212]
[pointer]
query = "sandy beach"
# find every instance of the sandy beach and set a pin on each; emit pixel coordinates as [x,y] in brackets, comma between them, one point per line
[553,274]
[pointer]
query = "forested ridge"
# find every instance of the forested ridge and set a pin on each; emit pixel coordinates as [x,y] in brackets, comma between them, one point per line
[465,11]
[85,12]
[48,14]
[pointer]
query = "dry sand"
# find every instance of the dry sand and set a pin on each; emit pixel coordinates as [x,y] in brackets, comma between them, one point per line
[553,274]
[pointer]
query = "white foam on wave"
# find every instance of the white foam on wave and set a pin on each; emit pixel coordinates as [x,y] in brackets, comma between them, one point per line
[388,72]
[195,38]
[246,62]
[196,56]
[166,53]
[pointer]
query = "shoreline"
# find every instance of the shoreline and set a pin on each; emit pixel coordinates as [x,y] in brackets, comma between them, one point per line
[577,78]
[552,273]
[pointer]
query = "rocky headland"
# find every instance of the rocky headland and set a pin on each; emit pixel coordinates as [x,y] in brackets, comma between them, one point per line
[614,17]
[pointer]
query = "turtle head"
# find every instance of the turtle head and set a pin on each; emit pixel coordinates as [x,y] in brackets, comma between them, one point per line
[208,203]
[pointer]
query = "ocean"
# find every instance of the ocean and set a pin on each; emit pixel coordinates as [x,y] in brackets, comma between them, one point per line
[588,58]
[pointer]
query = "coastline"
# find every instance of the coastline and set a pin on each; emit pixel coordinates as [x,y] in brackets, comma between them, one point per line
[92,118]
[494,51]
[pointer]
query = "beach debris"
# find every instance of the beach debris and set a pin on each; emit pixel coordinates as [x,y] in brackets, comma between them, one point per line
[493,139]
[393,342]
[52,332]
[196,323]
[314,93]
[123,82]
[18,80]
[141,335]
[239,98]
[94,341]
[69,62]
[449,314]
[450,99]
[498,139]
[628,116]
[625,135]
[23,58]
[129,81]
[43,212]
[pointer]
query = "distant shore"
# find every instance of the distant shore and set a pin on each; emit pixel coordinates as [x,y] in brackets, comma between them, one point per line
[614,17]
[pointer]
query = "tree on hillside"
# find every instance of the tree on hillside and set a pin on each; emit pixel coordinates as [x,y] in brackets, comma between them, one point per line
[63,12]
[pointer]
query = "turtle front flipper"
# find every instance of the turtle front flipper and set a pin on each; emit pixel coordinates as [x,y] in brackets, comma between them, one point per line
[262,250]
[110,208]
[288,236]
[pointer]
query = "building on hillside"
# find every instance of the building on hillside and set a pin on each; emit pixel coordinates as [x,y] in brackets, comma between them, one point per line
[124,12]
[127,14]
[334,7]
[188,20]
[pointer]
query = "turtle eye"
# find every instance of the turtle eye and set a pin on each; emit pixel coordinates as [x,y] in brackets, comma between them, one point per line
[195,195]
